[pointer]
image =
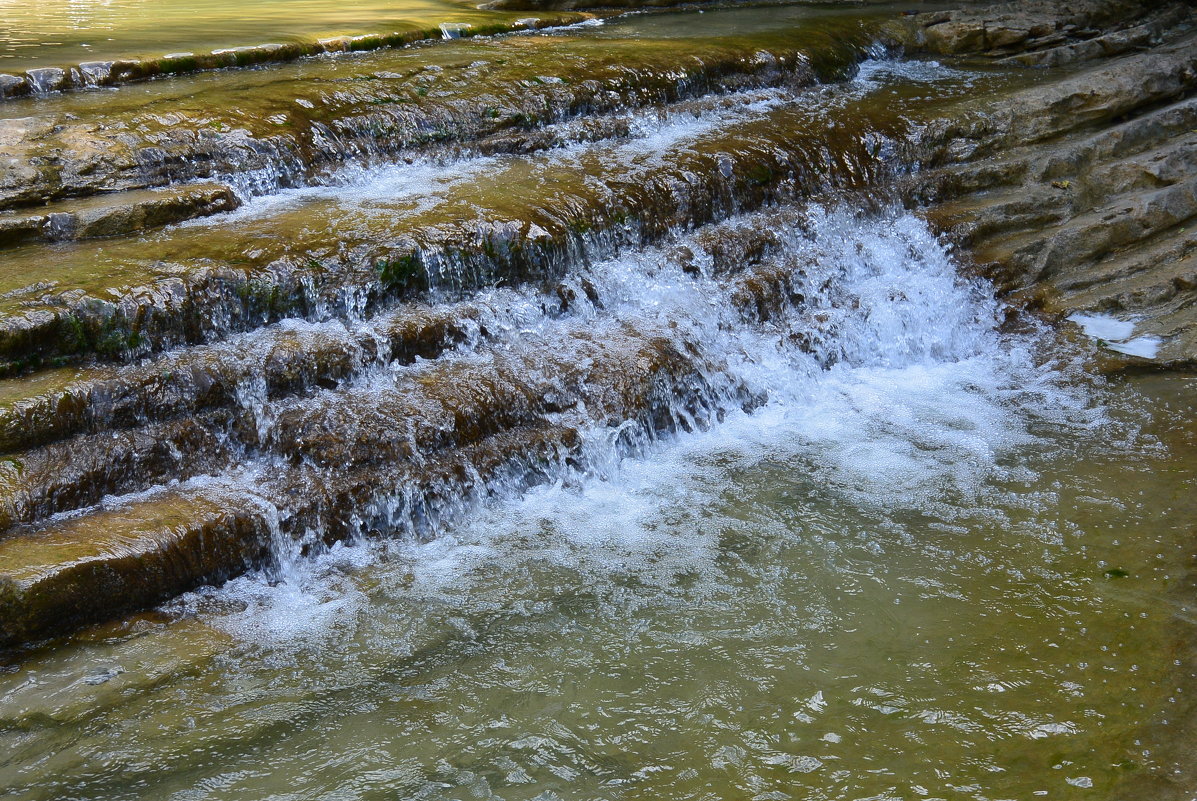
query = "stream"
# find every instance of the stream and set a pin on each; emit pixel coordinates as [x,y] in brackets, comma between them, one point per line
[751,491]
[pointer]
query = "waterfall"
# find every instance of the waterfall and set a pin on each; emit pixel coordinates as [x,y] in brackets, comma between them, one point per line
[496,408]
[880,369]
[384,349]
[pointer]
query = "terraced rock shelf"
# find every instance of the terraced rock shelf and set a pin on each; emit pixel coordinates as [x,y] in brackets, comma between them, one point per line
[335,389]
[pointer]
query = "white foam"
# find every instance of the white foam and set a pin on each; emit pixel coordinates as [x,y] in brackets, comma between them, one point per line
[1103,326]
[882,68]
[412,188]
[1117,334]
[1143,347]
[924,406]
[655,136]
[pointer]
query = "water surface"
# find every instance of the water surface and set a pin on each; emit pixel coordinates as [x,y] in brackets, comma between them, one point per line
[932,565]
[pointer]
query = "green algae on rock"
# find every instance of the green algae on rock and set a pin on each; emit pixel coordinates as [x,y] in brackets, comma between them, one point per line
[48,67]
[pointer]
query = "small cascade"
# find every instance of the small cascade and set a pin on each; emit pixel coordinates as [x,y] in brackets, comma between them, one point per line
[366,347]
[342,441]
[592,405]
[454,223]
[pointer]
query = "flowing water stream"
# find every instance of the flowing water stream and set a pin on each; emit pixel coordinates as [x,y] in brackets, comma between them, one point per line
[764,500]
[935,568]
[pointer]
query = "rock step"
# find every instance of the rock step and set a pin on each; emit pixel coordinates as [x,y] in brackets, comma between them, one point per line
[605,375]
[1169,163]
[293,357]
[129,557]
[115,214]
[1176,324]
[1150,31]
[390,417]
[1057,253]
[1161,298]
[1085,103]
[65,476]
[141,550]
[449,436]
[1129,279]
[331,259]
[1156,131]
[287,125]
[1132,199]
[283,359]
[988,215]
[1085,202]
[1032,211]
[1037,33]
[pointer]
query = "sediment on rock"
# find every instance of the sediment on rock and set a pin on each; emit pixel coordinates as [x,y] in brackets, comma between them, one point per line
[89,568]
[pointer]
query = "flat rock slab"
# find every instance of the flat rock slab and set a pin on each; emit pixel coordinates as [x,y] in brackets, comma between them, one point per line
[90,567]
[115,214]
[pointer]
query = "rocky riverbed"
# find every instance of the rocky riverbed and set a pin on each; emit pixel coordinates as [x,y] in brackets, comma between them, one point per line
[746,401]
[144,350]
[1064,172]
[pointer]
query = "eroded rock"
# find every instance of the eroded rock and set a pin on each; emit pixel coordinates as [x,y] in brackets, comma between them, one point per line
[1079,195]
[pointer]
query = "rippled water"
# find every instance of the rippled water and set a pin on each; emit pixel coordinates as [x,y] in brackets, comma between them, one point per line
[931,565]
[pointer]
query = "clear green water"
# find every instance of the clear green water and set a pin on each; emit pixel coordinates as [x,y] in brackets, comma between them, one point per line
[728,619]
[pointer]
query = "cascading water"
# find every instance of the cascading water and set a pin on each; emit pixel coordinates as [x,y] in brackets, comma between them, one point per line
[645,618]
[884,372]
[658,452]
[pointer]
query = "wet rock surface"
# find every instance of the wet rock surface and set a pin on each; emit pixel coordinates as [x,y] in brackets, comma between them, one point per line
[388,300]
[93,75]
[274,131]
[116,214]
[1078,194]
[1048,32]
[340,371]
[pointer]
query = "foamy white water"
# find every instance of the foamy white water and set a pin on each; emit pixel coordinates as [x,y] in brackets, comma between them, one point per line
[924,564]
[638,140]
[1117,335]
[889,384]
